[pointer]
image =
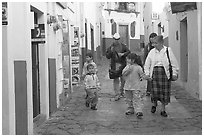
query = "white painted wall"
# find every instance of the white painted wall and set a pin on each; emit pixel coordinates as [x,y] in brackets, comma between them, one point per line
[43,61]
[194,80]
[121,18]
[89,14]
[5,86]
[141,15]
[199,16]
[148,29]
[18,48]
[164,22]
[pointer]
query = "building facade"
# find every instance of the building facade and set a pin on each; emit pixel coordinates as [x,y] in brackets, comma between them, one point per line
[91,30]
[33,62]
[180,24]
[185,38]
[43,50]
[123,18]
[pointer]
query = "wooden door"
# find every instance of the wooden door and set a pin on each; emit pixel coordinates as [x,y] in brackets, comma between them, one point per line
[123,31]
[92,42]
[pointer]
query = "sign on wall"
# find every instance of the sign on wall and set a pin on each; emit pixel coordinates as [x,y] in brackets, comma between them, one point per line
[75,56]
[38,33]
[4,13]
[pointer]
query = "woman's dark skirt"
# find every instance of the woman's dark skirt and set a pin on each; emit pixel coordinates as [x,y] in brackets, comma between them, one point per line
[161,86]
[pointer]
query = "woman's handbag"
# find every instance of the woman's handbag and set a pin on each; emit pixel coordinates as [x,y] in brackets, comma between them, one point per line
[170,67]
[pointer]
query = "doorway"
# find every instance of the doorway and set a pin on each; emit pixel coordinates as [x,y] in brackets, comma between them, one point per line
[123,31]
[92,40]
[86,38]
[159,28]
[36,79]
[184,50]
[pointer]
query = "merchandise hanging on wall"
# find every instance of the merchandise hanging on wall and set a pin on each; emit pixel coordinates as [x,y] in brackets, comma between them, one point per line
[4,13]
[75,56]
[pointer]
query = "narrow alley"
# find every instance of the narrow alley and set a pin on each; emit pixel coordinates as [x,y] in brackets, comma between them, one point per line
[185,114]
[45,51]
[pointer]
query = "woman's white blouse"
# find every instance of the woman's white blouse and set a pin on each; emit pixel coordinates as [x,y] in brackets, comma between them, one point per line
[159,58]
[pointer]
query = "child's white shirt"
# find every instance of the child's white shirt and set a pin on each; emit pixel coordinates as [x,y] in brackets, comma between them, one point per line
[91,81]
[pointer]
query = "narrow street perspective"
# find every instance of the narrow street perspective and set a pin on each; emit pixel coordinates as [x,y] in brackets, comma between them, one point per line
[185,115]
[102,68]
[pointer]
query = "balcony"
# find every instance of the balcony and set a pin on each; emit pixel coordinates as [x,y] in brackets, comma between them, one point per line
[124,7]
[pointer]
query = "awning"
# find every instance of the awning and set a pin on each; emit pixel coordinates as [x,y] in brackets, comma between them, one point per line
[182,6]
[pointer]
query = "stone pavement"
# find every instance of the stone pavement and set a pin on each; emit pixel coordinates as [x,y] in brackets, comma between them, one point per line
[184,115]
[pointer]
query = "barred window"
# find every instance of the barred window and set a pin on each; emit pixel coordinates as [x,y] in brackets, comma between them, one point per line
[132,28]
[113,26]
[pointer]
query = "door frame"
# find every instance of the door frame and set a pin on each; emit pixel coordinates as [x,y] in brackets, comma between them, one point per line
[92,41]
[184,49]
[86,36]
[128,32]
[35,79]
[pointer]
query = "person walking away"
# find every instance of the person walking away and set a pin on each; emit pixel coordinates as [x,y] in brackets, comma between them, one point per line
[92,86]
[89,60]
[133,74]
[147,49]
[117,53]
[157,70]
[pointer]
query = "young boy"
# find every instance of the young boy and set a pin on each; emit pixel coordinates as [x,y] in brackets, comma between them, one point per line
[89,60]
[92,86]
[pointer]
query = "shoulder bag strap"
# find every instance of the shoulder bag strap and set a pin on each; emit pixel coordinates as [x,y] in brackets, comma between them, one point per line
[167,52]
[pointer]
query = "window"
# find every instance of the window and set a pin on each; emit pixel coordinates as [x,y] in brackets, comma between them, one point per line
[132,28]
[122,5]
[113,26]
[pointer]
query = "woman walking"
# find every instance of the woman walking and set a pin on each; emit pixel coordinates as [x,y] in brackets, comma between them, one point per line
[157,70]
[147,49]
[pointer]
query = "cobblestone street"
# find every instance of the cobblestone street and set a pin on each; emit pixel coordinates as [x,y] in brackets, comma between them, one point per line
[184,114]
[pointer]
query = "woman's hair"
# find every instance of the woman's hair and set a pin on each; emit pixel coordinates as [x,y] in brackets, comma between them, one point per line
[152,35]
[135,58]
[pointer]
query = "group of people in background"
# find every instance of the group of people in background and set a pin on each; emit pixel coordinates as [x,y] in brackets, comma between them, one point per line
[127,71]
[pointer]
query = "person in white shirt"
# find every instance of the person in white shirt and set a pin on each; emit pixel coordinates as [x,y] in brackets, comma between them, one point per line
[92,86]
[157,71]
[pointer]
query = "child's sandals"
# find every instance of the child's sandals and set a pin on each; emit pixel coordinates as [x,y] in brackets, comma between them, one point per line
[129,112]
[139,114]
